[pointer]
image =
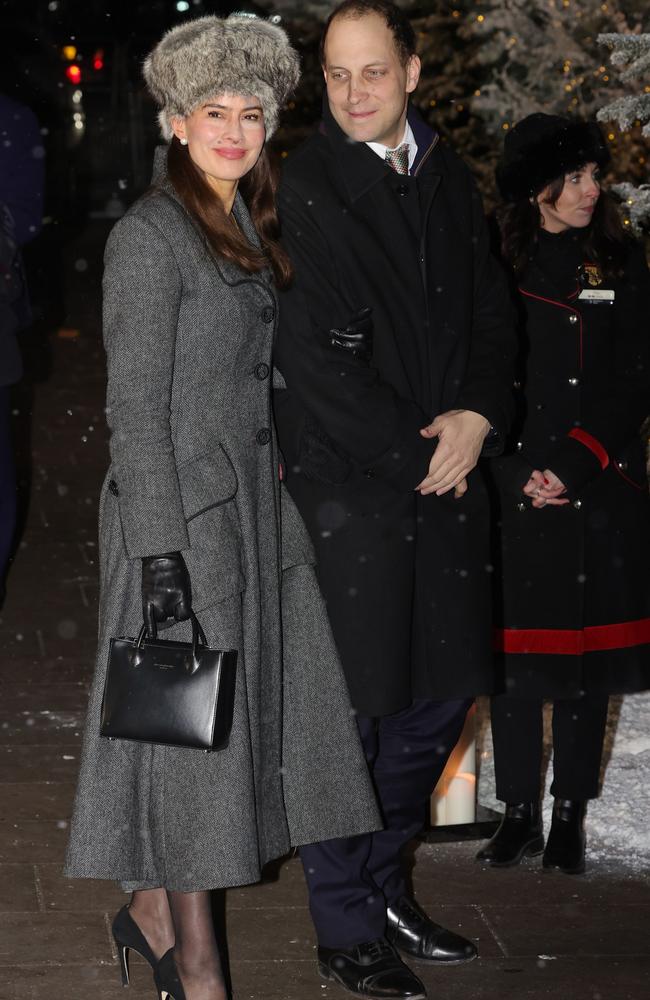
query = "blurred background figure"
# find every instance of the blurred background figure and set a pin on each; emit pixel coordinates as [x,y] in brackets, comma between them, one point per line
[573,507]
[21,214]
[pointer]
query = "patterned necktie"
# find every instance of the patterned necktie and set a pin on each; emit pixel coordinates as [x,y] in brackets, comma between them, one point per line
[398,158]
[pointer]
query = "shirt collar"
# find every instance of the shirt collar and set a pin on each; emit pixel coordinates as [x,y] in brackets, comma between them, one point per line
[408,137]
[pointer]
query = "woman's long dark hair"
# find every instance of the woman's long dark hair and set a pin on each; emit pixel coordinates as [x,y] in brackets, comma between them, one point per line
[258,188]
[604,237]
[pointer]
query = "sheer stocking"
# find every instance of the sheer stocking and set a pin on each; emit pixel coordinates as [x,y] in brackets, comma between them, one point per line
[150,910]
[196,952]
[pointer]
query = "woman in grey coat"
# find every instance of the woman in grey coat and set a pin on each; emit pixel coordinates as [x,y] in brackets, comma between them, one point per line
[193,515]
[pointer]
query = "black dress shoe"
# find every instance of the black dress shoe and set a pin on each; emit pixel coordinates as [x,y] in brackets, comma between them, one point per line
[411,930]
[565,847]
[372,969]
[519,833]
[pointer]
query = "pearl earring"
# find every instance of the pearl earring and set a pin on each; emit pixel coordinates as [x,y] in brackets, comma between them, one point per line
[183,142]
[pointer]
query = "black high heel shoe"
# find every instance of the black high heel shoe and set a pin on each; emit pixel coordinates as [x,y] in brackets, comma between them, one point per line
[167,978]
[128,937]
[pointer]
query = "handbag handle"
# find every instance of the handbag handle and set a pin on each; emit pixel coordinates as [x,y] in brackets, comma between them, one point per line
[199,640]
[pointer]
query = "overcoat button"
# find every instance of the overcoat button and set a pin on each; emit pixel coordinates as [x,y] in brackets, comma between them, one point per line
[112,488]
[574,381]
[263,436]
[521,506]
[577,504]
[262,371]
[516,385]
[402,190]
[520,445]
[369,473]
[268,312]
[622,466]
[573,318]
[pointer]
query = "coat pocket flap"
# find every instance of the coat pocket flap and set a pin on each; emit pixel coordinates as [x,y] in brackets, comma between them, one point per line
[206,481]
[297,548]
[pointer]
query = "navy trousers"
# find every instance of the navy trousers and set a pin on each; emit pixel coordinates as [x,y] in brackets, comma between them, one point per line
[7,484]
[352,880]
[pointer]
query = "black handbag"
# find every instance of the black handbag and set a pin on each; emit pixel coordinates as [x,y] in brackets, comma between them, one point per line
[176,693]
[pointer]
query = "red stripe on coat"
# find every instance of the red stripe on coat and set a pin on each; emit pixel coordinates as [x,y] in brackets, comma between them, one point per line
[573,642]
[592,443]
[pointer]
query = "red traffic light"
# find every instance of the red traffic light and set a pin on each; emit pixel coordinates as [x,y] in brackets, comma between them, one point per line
[73,73]
[98,60]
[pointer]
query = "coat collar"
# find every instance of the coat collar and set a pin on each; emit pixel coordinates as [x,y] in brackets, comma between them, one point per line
[361,168]
[230,272]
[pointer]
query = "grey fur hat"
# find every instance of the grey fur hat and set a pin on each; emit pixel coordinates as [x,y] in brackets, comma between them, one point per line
[239,54]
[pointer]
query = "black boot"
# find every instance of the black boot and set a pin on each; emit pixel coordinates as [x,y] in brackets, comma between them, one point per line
[565,848]
[520,833]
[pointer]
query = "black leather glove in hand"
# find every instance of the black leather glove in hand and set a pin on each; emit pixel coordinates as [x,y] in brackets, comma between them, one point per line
[356,337]
[166,590]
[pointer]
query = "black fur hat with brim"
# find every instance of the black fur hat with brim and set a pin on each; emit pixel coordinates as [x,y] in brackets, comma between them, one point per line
[541,148]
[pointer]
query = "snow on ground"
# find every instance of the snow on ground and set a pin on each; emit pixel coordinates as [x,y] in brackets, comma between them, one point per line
[618,823]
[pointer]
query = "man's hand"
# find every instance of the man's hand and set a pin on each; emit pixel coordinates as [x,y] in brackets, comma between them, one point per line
[460,436]
[545,488]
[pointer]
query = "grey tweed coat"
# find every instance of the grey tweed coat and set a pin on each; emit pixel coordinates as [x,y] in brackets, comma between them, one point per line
[194,467]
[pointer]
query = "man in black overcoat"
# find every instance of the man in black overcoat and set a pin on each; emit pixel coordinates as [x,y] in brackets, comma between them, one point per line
[396,347]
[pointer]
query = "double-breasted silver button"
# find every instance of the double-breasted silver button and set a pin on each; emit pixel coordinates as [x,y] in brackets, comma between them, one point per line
[622,466]
[574,381]
[263,435]
[577,504]
[573,318]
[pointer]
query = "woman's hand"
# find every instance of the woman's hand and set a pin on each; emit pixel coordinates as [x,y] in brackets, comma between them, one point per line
[166,591]
[545,488]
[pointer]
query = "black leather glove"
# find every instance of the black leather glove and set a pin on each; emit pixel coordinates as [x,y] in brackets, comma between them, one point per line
[166,590]
[356,337]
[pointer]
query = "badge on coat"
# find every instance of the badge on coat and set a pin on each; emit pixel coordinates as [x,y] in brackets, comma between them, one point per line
[590,280]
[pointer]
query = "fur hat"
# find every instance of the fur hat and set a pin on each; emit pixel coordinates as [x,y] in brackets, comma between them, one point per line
[541,148]
[240,54]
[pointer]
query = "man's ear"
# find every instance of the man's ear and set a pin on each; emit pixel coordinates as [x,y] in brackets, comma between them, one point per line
[413,69]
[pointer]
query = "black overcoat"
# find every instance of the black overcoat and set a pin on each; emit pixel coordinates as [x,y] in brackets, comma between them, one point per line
[406,578]
[574,608]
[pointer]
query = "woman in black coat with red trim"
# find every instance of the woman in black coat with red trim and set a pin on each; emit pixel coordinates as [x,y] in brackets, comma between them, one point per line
[573,528]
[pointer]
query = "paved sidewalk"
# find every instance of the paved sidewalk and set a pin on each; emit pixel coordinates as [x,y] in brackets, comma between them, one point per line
[539,935]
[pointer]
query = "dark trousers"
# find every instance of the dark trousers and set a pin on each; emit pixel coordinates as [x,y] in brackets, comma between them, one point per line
[351,880]
[578,734]
[7,484]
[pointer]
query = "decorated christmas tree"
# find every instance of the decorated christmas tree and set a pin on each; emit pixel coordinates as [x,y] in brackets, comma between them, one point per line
[631,111]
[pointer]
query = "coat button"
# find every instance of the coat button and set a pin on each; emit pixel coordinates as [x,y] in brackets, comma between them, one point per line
[577,504]
[402,190]
[622,466]
[112,488]
[263,435]
[574,381]
[521,506]
[268,312]
[516,385]
[262,371]
[369,473]
[573,318]
[520,445]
